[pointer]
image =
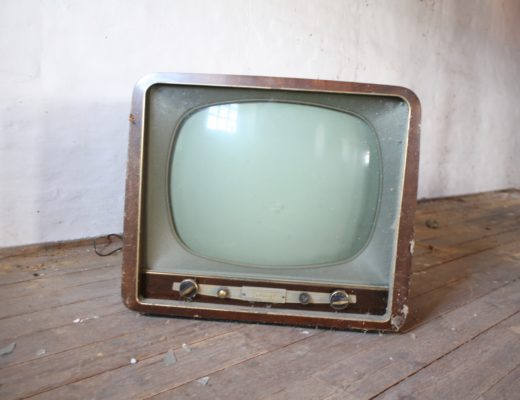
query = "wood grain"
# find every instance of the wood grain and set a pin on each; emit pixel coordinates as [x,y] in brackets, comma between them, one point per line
[461,340]
[470,369]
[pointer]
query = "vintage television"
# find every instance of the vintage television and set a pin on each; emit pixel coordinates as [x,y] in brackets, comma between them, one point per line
[276,200]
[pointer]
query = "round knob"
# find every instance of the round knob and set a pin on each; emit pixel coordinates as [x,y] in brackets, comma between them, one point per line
[222,293]
[339,299]
[304,298]
[188,289]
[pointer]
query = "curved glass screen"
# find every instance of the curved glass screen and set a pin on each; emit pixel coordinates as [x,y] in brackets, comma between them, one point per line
[275,184]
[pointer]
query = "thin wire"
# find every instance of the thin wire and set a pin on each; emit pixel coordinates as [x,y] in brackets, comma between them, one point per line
[109,237]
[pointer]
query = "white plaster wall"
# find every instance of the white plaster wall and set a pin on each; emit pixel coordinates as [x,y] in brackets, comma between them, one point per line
[67,69]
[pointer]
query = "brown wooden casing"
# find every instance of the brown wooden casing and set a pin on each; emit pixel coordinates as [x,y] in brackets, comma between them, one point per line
[136,287]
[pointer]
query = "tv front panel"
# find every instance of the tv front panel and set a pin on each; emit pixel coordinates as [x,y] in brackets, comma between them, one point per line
[271,200]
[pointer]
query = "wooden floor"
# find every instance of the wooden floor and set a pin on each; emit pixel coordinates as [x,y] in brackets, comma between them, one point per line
[74,339]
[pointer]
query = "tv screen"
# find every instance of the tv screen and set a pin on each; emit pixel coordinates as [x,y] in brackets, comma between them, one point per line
[271,200]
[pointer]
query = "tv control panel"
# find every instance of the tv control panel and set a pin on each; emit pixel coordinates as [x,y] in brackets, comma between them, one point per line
[338,299]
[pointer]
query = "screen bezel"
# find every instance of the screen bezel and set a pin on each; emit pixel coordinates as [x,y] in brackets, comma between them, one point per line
[133,277]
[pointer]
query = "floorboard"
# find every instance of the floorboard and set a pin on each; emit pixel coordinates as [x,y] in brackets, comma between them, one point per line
[74,339]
